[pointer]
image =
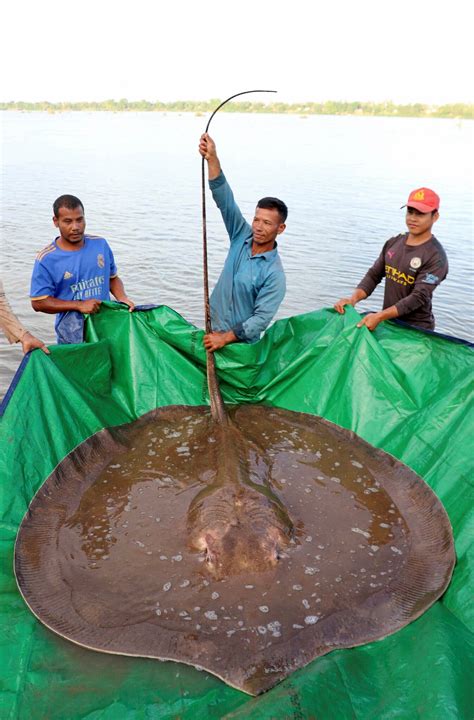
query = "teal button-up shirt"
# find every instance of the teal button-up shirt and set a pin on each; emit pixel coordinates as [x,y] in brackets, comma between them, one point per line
[251,287]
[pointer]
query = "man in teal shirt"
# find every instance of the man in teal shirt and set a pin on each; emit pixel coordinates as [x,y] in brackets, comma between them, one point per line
[252,283]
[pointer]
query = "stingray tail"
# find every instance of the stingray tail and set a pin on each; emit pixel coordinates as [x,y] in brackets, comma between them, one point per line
[218,411]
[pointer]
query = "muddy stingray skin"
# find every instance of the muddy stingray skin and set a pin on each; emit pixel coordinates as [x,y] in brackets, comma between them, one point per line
[247,548]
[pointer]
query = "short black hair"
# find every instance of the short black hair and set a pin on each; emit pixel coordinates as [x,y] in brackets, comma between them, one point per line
[71,202]
[272,203]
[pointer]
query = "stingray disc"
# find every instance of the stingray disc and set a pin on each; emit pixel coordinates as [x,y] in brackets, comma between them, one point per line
[345,544]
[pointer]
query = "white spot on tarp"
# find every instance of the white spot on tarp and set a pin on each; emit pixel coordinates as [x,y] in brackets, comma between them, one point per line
[395,550]
[177,558]
[215,595]
[166,586]
[356,464]
[184,583]
[263,608]
[262,629]
[310,570]
[297,587]
[311,619]
[211,615]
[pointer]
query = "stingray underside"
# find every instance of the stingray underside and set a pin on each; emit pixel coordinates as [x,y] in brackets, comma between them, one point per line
[103,555]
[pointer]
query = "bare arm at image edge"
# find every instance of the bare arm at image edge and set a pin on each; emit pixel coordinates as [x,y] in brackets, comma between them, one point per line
[9,322]
[14,330]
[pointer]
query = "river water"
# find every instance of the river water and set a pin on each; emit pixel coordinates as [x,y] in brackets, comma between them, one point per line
[138,175]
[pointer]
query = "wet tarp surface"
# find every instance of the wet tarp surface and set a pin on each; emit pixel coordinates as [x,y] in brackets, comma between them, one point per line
[407,392]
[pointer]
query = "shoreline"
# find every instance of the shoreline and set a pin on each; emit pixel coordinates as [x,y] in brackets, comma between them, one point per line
[453,111]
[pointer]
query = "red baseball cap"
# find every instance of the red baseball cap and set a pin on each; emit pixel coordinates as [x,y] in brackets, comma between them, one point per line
[423,199]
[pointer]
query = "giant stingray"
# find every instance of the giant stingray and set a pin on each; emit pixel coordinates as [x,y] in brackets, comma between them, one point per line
[246,542]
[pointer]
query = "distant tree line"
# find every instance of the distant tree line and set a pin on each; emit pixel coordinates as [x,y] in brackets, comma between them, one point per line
[330,107]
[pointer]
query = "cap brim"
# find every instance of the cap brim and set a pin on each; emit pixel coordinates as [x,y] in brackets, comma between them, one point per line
[419,206]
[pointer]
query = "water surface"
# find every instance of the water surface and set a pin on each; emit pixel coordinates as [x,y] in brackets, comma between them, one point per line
[138,174]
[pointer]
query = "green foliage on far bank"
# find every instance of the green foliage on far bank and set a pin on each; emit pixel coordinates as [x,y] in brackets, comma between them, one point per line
[330,107]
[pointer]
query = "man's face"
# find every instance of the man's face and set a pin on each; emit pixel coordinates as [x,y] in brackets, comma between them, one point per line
[418,222]
[266,226]
[71,224]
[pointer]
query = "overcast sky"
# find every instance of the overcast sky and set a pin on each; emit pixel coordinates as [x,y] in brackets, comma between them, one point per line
[183,50]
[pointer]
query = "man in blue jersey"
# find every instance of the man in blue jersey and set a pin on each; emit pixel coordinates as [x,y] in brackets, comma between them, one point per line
[252,283]
[73,274]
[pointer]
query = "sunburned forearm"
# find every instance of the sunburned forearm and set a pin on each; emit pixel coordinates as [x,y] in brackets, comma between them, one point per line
[214,167]
[389,313]
[356,297]
[371,320]
[54,305]
[118,291]
[9,323]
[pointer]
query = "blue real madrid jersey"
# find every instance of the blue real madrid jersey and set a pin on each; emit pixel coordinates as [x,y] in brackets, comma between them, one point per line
[83,274]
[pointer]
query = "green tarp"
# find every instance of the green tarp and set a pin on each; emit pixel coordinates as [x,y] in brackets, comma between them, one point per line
[407,392]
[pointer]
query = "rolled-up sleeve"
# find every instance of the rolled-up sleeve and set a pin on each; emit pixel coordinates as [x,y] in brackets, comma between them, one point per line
[266,305]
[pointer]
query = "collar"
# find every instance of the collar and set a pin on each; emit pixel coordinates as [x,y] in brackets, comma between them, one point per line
[268,255]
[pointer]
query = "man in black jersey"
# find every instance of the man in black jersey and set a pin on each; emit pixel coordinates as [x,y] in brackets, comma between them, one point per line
[413,264]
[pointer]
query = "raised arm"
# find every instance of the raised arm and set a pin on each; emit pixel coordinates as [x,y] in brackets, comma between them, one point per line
[234,221]
[207,148]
